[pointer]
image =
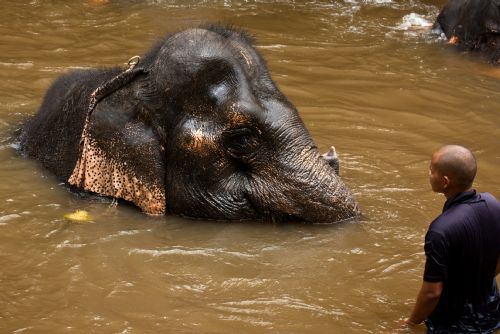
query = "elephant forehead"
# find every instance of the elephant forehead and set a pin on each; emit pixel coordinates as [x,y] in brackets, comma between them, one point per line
[219,92]
[198,135]
[268,111]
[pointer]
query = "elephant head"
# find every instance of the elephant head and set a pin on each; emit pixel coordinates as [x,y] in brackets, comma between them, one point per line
[197,129]
[472,26]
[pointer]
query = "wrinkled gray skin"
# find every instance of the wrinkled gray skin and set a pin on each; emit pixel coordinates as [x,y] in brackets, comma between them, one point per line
[205,123]
[472,25]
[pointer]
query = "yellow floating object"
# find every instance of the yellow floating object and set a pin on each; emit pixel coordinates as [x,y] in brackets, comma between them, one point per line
[80,216]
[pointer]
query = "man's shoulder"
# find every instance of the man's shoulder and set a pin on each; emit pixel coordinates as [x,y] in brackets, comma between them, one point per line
[450,220]
[462,212]
[490,199]
[456,213]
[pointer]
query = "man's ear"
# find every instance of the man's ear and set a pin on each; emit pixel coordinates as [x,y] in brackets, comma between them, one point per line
[446,182]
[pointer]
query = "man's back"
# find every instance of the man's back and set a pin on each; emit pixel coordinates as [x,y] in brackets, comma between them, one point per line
[462,248]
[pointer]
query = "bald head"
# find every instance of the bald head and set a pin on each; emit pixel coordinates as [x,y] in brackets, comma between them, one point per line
[457,163]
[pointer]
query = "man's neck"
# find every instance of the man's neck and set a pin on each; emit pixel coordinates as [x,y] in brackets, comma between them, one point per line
[449,193]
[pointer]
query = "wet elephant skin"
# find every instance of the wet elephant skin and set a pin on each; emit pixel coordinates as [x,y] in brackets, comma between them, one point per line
[473,26]
[198,129]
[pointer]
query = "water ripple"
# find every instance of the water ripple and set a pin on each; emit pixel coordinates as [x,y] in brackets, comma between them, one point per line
[7,218]
[287,302]
[210,252]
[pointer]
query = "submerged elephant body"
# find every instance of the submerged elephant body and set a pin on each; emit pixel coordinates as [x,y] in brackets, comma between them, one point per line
[472,26]
[198,128]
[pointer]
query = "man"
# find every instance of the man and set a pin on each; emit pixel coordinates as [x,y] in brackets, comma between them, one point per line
[459,293]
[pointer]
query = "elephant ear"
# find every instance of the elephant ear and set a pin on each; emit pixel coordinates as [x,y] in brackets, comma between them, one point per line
[121,155]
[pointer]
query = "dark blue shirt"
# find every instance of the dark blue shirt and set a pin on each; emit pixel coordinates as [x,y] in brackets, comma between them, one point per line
[462,247]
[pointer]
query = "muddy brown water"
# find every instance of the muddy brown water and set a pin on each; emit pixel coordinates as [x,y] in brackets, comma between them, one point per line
[366,77]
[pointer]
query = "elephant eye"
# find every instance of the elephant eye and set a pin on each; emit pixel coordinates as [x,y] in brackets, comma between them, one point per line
[241,142]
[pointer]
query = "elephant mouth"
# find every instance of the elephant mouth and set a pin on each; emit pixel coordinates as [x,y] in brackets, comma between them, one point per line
[266,215]
[278,218]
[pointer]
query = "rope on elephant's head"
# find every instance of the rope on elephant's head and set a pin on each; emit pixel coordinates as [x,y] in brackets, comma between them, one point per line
[132,62]
[109,87]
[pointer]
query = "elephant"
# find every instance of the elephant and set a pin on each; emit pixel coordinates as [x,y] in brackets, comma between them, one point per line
[195,128]
[472,26]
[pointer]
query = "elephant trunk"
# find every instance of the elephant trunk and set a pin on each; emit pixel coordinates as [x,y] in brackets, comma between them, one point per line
[303,187]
